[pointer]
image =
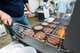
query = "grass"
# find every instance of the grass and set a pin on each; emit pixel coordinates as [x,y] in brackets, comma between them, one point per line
[33,20]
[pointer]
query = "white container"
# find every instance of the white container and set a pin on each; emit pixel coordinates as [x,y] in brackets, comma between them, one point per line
[24,50]
[17,48]
[29,50]
[2,30]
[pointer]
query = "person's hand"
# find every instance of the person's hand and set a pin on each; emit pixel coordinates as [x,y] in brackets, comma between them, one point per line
[6,19]
[29,14]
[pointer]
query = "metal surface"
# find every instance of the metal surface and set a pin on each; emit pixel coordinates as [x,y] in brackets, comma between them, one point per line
[43,47]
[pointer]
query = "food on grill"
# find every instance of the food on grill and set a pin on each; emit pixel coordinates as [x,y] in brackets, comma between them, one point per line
[47,30]
[44,24]
[29,32]
[53,40]
[55,22]
[38,27]
[61,32]
[39,35]
[52,25]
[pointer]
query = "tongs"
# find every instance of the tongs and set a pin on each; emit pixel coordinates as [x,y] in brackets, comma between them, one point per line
[15,28]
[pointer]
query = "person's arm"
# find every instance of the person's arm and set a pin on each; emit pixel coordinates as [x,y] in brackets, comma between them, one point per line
[28,8]
[5,18]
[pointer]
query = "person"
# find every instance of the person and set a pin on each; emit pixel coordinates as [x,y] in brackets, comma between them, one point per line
[12,11]
[46,8]
[62,7]
[52,6]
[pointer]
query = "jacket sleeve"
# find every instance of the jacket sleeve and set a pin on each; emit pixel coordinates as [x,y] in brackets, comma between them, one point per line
[25,1]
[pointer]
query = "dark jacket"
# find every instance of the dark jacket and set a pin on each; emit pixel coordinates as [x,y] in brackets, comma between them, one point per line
[15,8]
